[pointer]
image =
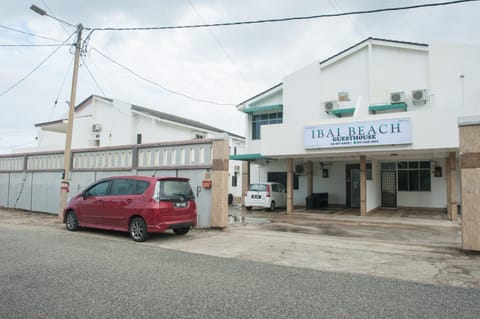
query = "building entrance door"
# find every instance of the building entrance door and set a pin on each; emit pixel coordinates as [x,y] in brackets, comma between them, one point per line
[389,189]
[355,187]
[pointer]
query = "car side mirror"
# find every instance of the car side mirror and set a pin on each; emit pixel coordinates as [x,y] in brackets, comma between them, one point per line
[84,194]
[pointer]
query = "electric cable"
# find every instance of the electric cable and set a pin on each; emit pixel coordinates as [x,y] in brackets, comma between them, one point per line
[36,68]
[33,45]
[93,78]
[101,90]
[318,16]
[53,16]
[28,33]
[160,85]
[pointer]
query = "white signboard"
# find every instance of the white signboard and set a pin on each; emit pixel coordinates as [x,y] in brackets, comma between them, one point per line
[368,133]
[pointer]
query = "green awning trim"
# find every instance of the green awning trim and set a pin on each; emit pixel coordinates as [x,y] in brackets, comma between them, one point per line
[258,109]
[376,108]
[246,157]
[341,112]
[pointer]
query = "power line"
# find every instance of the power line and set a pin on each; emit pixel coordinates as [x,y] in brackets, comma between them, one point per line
[33,45]
[53,16]
[159,85]
[28,33]
[319,16]
[93,78]
[36,68]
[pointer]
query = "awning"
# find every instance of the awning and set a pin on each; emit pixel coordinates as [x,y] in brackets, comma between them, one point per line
[341,112]
[246,157]
[265,108]
[376,108]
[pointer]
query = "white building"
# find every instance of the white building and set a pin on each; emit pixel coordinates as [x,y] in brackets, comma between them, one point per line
[389,107]
[102,122]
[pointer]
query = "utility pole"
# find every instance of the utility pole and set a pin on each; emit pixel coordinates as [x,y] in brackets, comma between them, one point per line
[67,156]
[64,188]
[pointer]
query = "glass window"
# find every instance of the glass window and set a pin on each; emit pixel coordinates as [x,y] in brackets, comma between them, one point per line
[257,187]
[234,180]
[264,119]
[99,189]
[128,187]
[172,189]
[414,176]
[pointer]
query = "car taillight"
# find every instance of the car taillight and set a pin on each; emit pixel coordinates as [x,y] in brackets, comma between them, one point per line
[268,191]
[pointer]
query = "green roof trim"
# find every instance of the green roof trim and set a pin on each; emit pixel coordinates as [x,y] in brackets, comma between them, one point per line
[376,108]
[341,112]
[246,157]
[258,109]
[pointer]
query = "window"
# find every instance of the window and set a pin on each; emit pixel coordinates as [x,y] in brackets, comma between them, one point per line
[264,119]
[234,180]
[99,190]
[281,178]
[414,176]
[128,187]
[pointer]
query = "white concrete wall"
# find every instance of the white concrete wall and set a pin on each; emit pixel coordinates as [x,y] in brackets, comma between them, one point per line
[374,192]
[448,62]
[271,99]
[334,185]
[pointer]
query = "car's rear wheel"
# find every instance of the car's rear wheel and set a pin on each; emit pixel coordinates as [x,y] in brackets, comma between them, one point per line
[71,221]
[272,206]
[138,229]
[181,231]
[249,207]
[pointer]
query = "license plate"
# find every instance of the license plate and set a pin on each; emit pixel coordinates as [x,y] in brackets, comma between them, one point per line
[180,205]
[256,196]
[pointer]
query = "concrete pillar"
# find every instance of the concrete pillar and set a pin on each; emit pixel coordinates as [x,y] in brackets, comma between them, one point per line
[245,179]
[309,178]
[452,181]
[289,185]
[219,175]
[469,133]
[363,185]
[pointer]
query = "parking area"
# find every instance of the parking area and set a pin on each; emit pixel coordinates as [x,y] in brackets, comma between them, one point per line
[429,227]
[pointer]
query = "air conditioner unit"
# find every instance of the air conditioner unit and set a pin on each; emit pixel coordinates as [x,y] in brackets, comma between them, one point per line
[397,97]
[419,96]
[330,105]
[300,169]
[96,127]
[236,168]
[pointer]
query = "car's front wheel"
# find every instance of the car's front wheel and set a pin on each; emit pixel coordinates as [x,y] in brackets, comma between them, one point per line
[138,229]
[71,221]
[181,231]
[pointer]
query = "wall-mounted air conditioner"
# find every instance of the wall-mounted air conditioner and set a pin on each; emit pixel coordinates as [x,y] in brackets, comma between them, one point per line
[419,96]
[96,127]
[330,105]
[397,97]
[299,169]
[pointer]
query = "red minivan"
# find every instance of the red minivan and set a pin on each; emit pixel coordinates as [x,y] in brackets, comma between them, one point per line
[137,204]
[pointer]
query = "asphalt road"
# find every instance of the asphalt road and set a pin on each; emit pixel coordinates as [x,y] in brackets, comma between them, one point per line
[51,273]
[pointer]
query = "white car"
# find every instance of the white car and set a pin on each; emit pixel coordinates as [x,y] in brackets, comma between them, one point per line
[267,195]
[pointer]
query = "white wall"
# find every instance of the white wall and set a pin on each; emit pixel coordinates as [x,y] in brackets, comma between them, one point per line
[334,185]
[374,192]
[448,62]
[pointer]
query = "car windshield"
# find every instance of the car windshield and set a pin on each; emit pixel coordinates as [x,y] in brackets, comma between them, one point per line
[258,187]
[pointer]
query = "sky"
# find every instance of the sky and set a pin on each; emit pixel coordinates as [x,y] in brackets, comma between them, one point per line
[224,65]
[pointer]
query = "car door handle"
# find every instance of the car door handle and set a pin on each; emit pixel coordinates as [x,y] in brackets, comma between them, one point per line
[129,201]
[99,202]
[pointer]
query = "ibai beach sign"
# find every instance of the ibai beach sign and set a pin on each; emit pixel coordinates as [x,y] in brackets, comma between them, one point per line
[367,133]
